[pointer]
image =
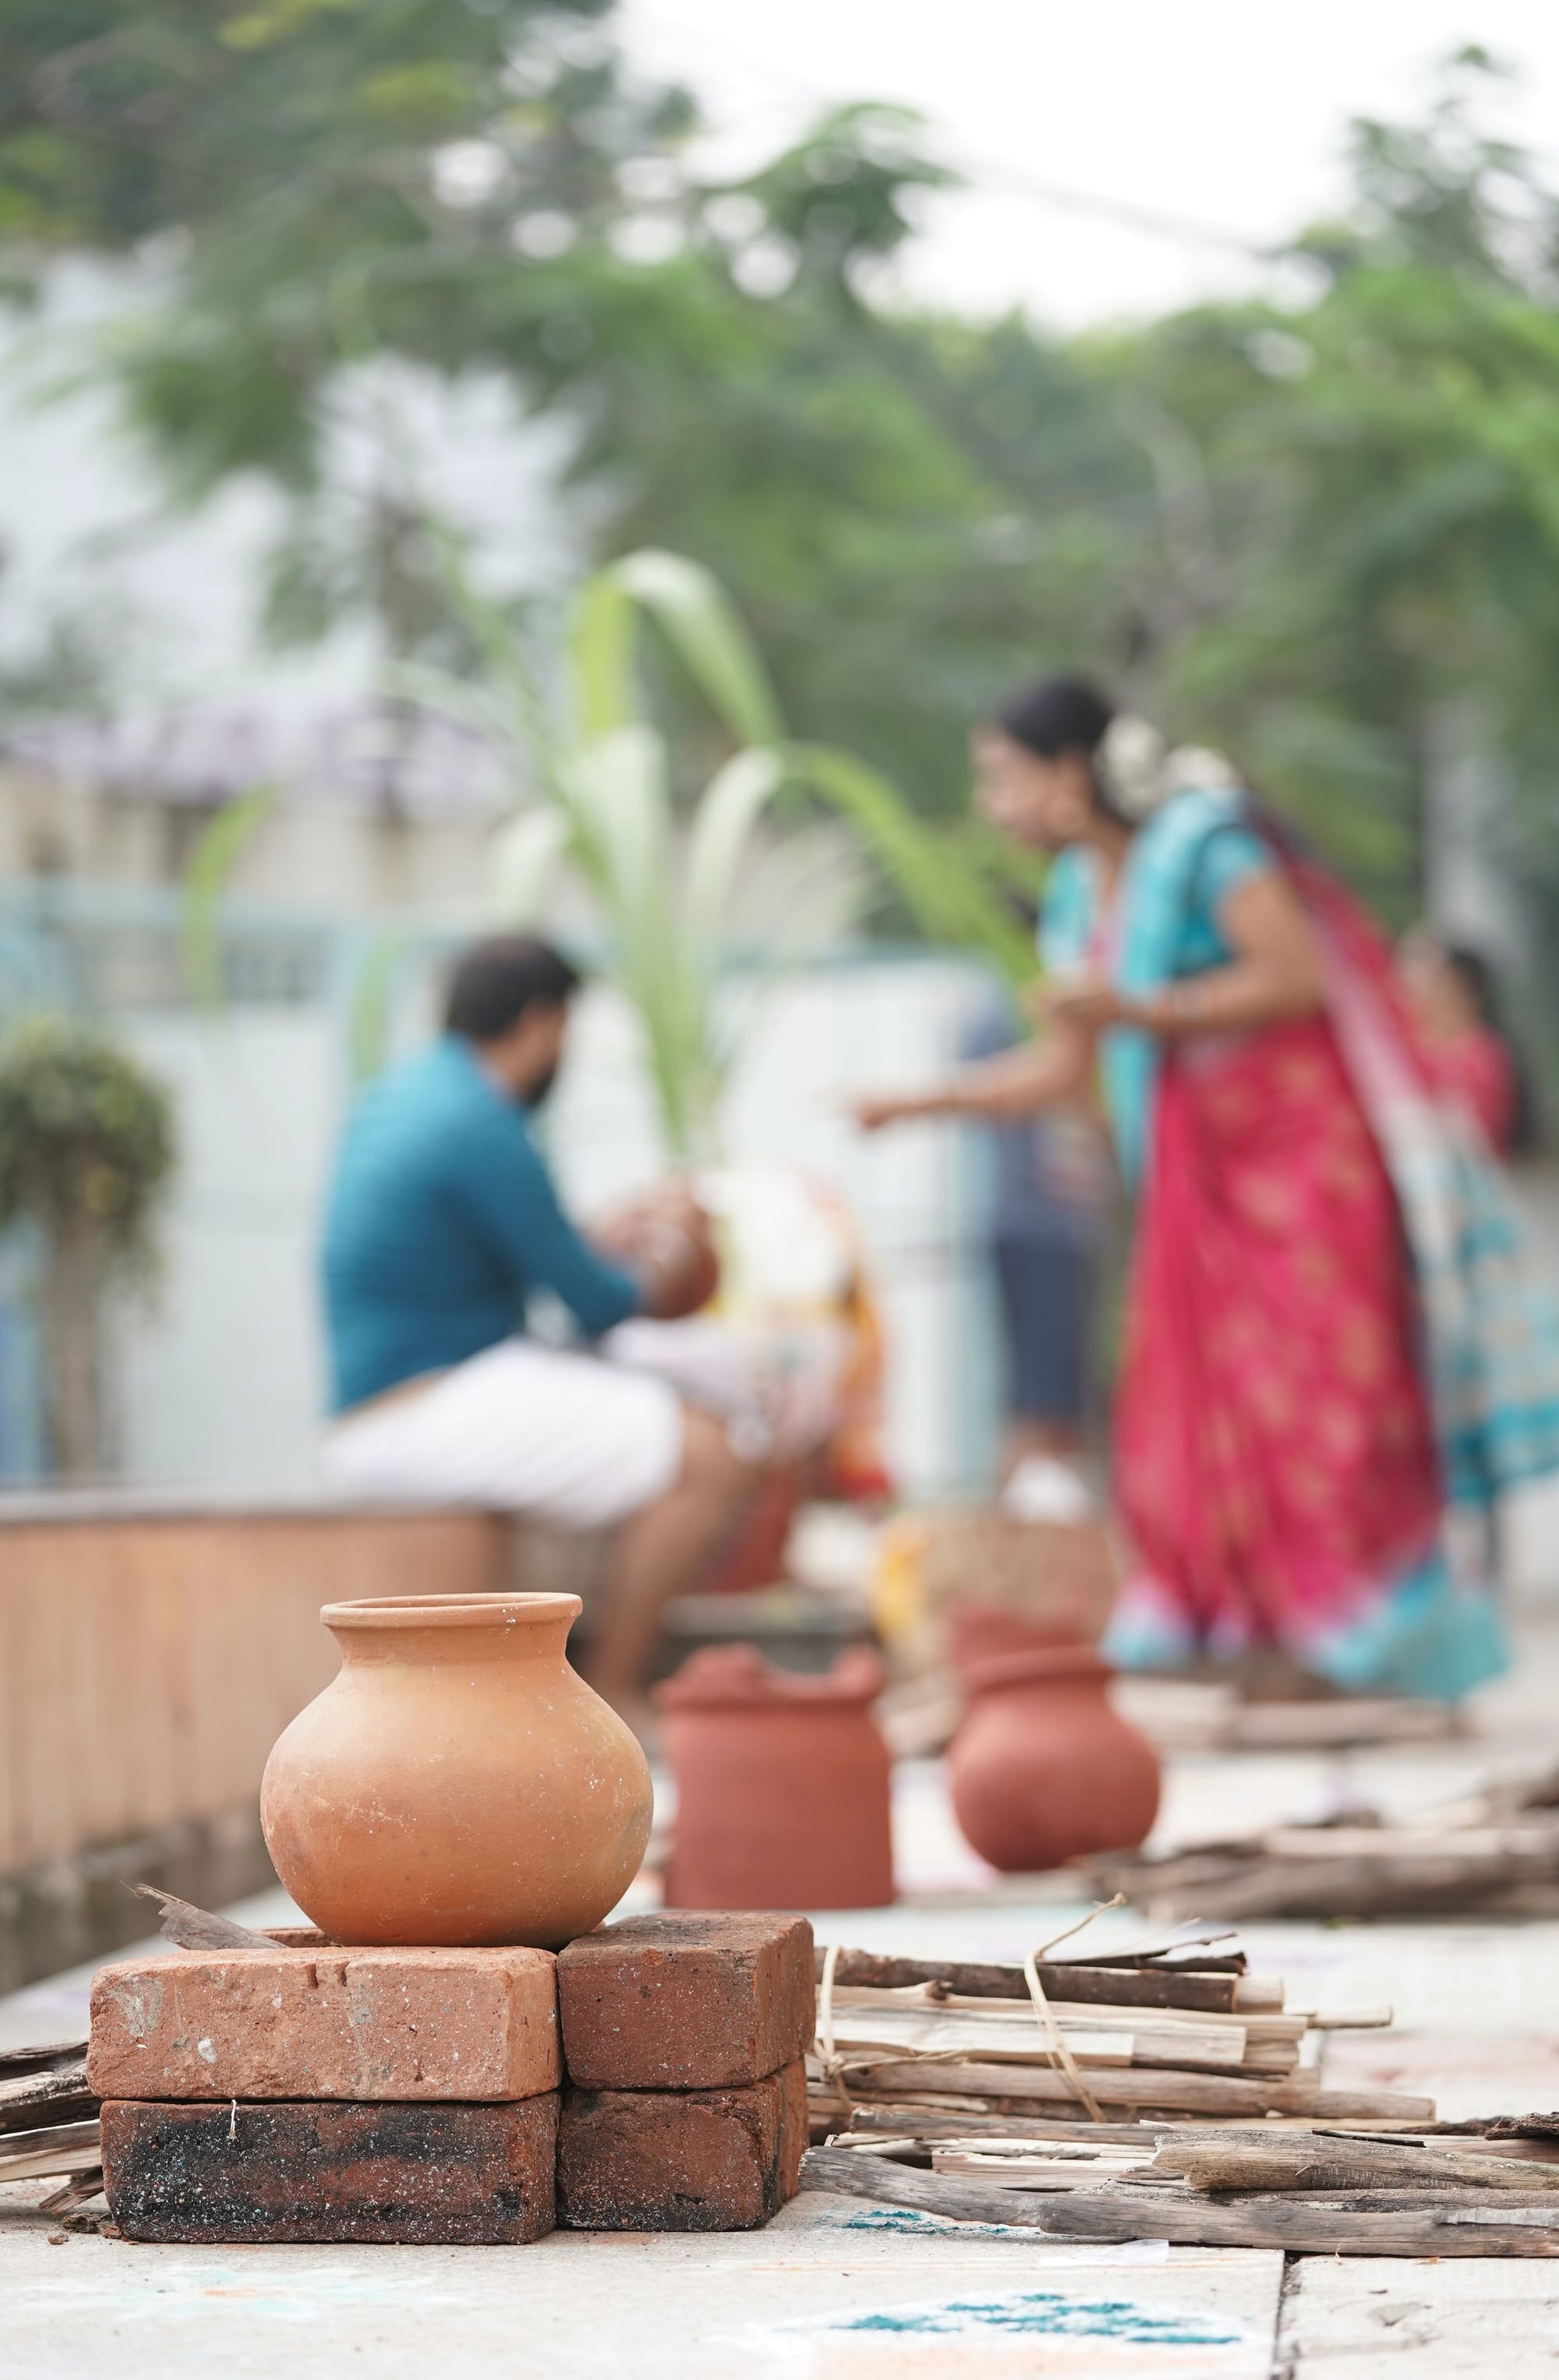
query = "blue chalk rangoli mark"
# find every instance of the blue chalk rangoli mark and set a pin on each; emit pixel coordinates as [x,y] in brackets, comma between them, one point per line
[1042,2314]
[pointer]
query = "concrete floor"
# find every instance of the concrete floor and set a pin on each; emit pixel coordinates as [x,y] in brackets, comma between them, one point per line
[834,2288]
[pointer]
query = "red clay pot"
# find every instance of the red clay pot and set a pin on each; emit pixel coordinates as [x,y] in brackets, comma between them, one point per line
[981,1631]
[1042,1770]
[782,1784]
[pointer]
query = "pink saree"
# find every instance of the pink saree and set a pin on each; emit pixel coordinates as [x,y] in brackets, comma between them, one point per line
[1332,1333]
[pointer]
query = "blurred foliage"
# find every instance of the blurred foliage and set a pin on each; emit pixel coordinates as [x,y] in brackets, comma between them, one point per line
[86,1137]
[87,1152]
[1307,531]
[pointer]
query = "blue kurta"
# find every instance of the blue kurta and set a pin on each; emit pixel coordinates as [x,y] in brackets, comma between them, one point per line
[442,1218]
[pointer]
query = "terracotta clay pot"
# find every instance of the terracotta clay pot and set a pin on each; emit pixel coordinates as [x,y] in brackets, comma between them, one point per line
[981,1630]
[782,1784]
[1041,1770]
[457,1782]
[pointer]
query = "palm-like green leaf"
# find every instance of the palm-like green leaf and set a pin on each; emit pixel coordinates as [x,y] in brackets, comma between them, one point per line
[699,618]
[932,874]
[529,854]
[729,808]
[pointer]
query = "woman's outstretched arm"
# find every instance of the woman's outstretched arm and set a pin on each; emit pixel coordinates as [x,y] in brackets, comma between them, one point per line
[1019,1083]
[1275,973]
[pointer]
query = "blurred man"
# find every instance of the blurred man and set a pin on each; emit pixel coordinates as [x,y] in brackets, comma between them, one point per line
[442,1220]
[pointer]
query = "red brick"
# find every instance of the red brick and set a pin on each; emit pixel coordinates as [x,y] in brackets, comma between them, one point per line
[681,2160]
[326,2023]
[442,2175]
[685,2002]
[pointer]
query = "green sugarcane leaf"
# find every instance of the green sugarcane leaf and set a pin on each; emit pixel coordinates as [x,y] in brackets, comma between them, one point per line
[601,650]
[698,617]
[728,809]
[526,856]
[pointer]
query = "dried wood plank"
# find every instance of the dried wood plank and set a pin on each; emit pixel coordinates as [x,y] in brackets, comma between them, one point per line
[922,2124]
[1411,1844]
[1009,2029]
[1238,2161]
[1123,1986]
[60,2148]
[81,2186]
[1176,2092]
[16,2062]
[1267,2026]
[1330,1886]
[62,2090]
[1121,2212]
[1066,2169]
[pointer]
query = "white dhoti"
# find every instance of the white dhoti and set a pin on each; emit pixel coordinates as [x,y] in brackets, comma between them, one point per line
[573,1441]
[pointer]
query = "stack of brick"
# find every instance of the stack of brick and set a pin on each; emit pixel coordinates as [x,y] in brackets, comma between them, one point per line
[685,2039]
[314,2092]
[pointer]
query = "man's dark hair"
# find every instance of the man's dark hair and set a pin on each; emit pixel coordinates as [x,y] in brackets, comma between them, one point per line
[496,980]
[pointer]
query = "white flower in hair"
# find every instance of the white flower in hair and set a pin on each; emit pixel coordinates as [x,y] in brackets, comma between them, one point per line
[1138,772]
[1130,765]
[1196,769]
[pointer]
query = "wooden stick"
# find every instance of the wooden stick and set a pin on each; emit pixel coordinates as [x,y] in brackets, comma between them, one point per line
[1325,1884]
[64,2148]
[1177,2093]
[1294,2162]
[60,2089]
[1121,2212]
[1120,1986]
[15,2062]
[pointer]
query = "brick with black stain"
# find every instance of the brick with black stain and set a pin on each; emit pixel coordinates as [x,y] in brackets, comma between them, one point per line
[681,2160]
[685,2002]
[268,2170]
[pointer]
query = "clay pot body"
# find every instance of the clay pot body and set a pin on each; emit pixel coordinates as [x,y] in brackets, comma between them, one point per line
[782,1785]
[457,1782]
[979,1630]
[1041,1770]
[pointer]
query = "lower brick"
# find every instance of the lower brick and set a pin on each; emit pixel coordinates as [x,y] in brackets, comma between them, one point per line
[681,2160]
[422,2174]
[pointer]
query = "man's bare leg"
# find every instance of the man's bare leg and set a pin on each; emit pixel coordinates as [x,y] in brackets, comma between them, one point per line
[659,1553]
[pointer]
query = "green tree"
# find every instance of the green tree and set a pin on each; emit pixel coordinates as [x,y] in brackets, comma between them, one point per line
[1381,473]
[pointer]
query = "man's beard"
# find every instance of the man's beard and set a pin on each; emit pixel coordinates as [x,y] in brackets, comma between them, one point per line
[536,1094]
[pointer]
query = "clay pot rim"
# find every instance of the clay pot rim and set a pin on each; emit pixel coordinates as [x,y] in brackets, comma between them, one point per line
[450,1611]
[1041,1665]
[852,1684]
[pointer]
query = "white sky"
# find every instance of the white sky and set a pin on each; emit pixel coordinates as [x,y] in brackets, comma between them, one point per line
[1228,113]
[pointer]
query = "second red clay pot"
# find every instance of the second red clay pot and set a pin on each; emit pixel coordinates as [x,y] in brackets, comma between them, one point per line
[1042,1770]
[782,1784]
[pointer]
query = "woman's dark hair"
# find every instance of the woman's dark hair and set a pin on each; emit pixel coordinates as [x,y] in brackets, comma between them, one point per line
[1057,714]
[496,980]
[1061,714]
[1481,983]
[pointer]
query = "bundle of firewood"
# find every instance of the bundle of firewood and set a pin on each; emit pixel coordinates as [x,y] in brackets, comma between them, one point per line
[48,2122]
[1158,2094]
[1181,2028]
[1494,1853]
[1490,2191]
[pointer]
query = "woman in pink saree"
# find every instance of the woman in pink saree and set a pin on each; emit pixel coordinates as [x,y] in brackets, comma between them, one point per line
[1329,1335]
